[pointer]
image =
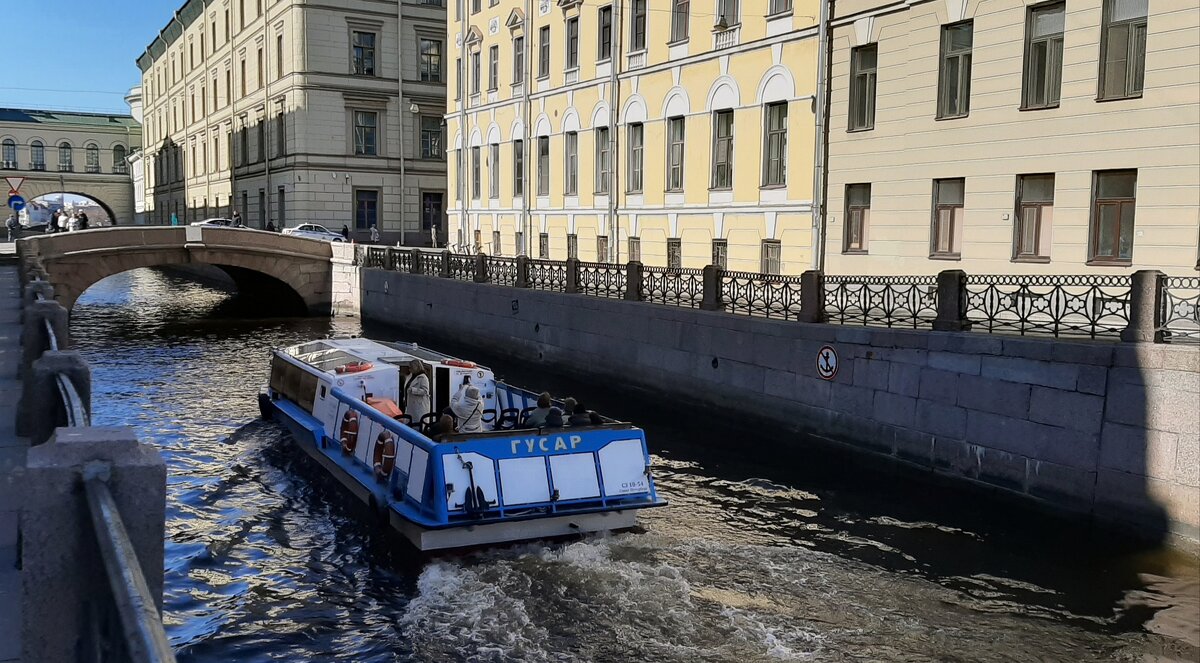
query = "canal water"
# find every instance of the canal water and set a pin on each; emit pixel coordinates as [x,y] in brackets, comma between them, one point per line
[807,554]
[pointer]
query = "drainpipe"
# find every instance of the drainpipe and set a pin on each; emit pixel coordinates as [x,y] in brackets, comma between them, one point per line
[821,153]
[183,164]
[266,149]
[527,139]
[462,122]
[204,102]
[614,106]
[403,113]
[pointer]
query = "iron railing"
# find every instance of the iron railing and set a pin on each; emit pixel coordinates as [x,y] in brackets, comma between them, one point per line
[375,257]
[501,271]
[765,295]
[676,286]
[399,260]
[881,301]
[462,266]
[1092,306]
[431,263]
[548,275]
[602,279]
[1179,316]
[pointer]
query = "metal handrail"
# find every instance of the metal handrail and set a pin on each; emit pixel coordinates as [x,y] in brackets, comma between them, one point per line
[141,624]
[77,413]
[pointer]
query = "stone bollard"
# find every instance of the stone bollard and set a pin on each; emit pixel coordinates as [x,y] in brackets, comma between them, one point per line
[952,301]
[522,272]
[572,285]
[812,297]
[1145,305]
[445,264]
[633,281]
[415,267]
[481,267]
[41,401]
[33,330]
[33,289]
[712,289]
[65,587]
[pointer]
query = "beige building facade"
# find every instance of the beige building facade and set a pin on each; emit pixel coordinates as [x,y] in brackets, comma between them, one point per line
[674,133]
[57,152]
[291,112]
[1014,137]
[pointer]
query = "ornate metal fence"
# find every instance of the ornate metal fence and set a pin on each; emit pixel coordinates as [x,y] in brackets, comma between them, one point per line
[674,286]
[1093,306]
[400,260]
[883,301]
[462,266]
[502,271]
[431,263]
[375,257]
[766,295]
[547,275]
[1179,317]
[601,279]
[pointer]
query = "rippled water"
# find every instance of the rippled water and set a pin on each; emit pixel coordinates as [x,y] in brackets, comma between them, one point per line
[763,555]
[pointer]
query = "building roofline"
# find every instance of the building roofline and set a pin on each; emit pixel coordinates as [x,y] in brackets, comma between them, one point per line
[162,37]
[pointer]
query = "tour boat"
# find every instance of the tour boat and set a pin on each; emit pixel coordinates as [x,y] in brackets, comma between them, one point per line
[342,401]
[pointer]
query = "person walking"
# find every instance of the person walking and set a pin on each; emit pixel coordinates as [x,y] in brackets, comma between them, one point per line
[345,232]
[63,219]
[73,222]
[374,234]
[236,218]
[83,221]
[12,226]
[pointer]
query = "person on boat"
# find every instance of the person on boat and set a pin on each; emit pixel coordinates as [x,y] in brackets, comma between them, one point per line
[554,419]
[594,418]
[579,416]
[443,428]
[416,391]
[537,418]
[385,455]
[467,407]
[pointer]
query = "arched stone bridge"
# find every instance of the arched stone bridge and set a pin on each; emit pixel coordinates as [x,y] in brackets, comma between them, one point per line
[291,271]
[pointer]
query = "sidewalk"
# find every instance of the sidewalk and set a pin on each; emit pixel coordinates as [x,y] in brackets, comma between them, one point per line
[12,456]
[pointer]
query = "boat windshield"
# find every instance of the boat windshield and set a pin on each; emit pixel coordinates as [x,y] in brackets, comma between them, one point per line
[327,359]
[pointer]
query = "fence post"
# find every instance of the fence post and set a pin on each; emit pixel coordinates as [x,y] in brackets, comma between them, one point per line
[415,267]
[633,281]
[1145,307]
[712,289]
[812,297]
[481,267]
[952,301]
[41,401]
[572,285]
[65,589]
[35,288]
[33,331]
[522,271]
[445,264]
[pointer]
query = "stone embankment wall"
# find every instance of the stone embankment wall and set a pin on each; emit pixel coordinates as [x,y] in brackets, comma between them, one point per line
[345,286]
[1110,430]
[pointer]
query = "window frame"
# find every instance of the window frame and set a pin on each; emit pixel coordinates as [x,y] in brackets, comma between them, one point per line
[518,168]
[720,253]
[476,174]
[571,163]
[431,149]
[672,184]
[356,57]
[856,214]
[493,68]
[963,60]
[1027,89]
[635,180]
[773,138]
[429,66]
[1097,203]
[681,17]
[494,171]
[771,257]
[572,43]
[544,52]
[866,123]
[674,253]
[604,24]
[603,165]
[635,248]
[1039,254]
[360,135]
[518,71]
[721,170]
[637,26]
[954,252]
[543,162]
[1135,64]
[358,201]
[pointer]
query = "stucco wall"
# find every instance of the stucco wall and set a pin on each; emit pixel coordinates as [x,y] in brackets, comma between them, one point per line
[1103,429]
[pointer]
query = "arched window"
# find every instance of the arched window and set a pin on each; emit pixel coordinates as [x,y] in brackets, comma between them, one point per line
[119,165]
[37,155]
[65,163]
[8,154]
[92,154]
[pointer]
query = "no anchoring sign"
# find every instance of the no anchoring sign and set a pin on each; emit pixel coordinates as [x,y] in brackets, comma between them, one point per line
[827,362]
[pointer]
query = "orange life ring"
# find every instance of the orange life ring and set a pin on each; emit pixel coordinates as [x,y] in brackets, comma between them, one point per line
[354,367]
[349,432]
[385,453]
[460,363]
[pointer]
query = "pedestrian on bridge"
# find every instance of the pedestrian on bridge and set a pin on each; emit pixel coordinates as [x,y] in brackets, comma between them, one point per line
[12,226]
[374,234]
[345,232]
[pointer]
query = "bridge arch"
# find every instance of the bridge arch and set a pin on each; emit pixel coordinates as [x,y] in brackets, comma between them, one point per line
[47,200]
[263,264]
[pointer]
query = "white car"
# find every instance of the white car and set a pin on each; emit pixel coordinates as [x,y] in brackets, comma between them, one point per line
[314,231]
[216,222]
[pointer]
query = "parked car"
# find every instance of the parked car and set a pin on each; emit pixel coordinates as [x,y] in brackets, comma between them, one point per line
[314,231]
[219,222]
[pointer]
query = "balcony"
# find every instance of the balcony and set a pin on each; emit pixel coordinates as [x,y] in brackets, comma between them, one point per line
[637,60]
[726,37]
[121,169]
[93,168]
[66,168]
[572,75]
[8,165]
[37,166]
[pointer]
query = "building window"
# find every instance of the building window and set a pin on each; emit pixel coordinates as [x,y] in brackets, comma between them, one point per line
[242,71]
[1114,193]
[65,160]
[863,61]
[571,163]
[518,60]
[261,70]
[37,155]
[771,252]
[280,134]
[720,253]
[858,218]
[544,52]
[674,252]
[675,128]
[494,170]
[572,246]
[779,7]
[604,36]
[366,126]
[954,88]
[602,248]
[497,248]
[1123,49]
[458,78]
[431,137]
[637,26]
[519,242]
[573,43]
[431,211]
[262,138]
[476,187]
[603,161]
[635,249]
[1035,211]
[91,155]
[775,144]
[727,12]
[475,73]
[636,133]
[366,208]
[947,217]
[118,156]
[722,151]
[679,20]
[543,245]
[543,162]
[460,169]
[364,53]
[493,68]
[1043,55]
[431,60]
[9,156]
[279,57]
[518,168]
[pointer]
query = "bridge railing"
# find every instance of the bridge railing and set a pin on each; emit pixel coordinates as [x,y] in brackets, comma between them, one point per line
[112,607]
[1145,306]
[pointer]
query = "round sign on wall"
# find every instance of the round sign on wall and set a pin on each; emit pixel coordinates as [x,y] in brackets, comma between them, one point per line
[827,362]
[16,202]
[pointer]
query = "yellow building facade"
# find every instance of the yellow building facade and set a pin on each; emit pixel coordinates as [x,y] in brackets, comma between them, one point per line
[671,132]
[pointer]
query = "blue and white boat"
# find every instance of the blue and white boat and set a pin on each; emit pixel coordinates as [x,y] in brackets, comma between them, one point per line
[339,398]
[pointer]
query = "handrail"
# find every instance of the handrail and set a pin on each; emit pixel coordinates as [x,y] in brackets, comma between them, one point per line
[141,624]
[73,405]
